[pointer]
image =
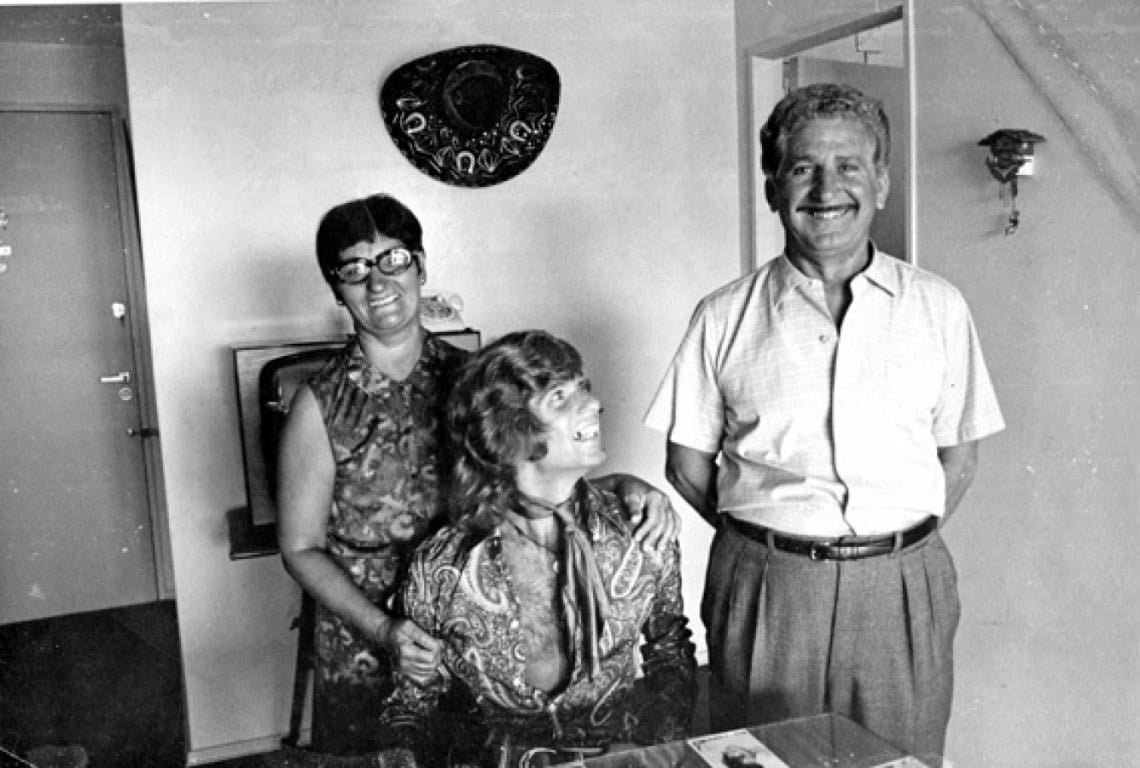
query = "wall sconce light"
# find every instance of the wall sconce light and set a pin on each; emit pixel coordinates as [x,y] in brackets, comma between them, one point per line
[1011,155]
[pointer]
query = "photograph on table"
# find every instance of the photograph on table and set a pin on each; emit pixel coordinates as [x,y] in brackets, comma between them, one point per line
[735,749]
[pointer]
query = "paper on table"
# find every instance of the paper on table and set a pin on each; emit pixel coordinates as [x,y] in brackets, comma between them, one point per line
[735,749]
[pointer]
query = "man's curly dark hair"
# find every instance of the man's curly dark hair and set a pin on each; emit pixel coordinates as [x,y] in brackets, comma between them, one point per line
[491,425]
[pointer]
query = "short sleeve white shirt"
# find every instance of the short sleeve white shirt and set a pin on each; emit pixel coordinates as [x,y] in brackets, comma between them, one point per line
[821,432]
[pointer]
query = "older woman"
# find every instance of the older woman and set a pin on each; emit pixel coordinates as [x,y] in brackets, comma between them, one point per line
[360,471]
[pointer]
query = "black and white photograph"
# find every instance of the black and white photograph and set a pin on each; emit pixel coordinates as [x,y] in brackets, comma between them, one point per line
[464,383]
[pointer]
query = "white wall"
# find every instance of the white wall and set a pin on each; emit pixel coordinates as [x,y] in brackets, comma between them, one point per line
[249,121]
[1049,648]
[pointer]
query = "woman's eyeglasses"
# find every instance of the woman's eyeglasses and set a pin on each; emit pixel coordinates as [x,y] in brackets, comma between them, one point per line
[392,262]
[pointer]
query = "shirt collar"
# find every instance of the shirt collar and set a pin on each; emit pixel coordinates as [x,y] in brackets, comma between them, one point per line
[881,271]
[592,507]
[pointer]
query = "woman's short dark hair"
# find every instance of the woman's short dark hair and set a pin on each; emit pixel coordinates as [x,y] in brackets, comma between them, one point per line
[824,100]
[491,425]
[364,220]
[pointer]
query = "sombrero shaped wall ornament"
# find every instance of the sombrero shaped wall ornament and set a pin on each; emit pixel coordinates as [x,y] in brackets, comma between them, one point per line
[472,116]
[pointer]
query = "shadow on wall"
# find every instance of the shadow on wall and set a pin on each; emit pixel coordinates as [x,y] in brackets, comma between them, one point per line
[1087,90]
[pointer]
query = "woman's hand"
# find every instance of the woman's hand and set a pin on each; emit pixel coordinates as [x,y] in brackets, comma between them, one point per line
[414,653]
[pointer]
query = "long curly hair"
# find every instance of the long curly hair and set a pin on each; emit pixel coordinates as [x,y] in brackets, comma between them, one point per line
[491,426]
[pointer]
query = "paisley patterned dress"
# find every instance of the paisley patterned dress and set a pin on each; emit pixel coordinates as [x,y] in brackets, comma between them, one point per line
[386,438]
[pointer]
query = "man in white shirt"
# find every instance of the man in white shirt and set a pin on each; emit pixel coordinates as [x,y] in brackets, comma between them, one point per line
[823,413]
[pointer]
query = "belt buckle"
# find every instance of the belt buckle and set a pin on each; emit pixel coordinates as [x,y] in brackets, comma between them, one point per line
[817,550]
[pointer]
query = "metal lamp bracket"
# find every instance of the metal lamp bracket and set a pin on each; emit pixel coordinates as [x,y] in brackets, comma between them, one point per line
[1011,156]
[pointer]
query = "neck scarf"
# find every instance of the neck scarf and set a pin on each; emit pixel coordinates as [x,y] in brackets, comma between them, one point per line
[584,600]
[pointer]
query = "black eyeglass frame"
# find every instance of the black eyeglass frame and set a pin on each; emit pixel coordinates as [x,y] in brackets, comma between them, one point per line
[376,262]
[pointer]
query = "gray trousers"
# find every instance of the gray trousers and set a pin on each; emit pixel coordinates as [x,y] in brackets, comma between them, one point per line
[872,639]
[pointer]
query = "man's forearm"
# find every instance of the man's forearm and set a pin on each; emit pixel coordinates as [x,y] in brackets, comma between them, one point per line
[693,473]
[959,464]
[702,499]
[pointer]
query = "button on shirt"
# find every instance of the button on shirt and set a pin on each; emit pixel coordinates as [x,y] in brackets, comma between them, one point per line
[822,431]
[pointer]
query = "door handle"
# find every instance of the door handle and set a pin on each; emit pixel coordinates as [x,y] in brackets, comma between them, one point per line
[142,432]
[122,377]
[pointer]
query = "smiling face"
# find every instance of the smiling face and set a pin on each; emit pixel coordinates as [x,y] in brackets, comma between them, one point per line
[382,306]
[571,416]
[827,189]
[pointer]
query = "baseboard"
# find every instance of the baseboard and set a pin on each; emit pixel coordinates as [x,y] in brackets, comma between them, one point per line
[238,749]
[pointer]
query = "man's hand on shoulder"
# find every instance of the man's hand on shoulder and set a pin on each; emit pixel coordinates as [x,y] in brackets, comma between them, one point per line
[694,473]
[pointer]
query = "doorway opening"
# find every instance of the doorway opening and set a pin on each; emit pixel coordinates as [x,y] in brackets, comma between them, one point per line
[873,53]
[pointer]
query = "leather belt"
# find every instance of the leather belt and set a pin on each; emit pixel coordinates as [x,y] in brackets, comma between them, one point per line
[842,548]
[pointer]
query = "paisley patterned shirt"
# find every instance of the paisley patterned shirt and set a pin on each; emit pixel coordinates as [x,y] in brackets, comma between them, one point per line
[462,592]
[386,439]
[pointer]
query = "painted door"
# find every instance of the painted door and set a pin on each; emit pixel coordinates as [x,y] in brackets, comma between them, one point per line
[76,532]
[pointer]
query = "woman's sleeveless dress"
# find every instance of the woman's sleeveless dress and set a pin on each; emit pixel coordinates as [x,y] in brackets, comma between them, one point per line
[386,438]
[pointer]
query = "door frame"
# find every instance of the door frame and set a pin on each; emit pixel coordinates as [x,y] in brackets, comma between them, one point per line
[764,63]
[139,330]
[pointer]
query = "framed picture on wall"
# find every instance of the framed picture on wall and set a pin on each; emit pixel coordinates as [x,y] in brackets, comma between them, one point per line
[266,376]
